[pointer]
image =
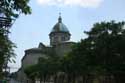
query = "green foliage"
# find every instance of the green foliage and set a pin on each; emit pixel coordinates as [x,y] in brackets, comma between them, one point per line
[9,10]
[31,71]
[45,67]
[76,61]
[108,44]
[101,53]
[6,44]
[6,49]
[12,8]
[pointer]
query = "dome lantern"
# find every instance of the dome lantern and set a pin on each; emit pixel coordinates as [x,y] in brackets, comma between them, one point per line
[60,18]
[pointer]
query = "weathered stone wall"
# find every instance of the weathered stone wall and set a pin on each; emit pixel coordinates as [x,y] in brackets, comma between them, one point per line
[63,48]
[31,58]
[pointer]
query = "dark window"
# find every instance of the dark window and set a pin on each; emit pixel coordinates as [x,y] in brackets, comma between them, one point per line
[63,38]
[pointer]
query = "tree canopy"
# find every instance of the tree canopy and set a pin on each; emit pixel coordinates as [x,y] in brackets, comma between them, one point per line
[9,10]
[12,8]
[102,52]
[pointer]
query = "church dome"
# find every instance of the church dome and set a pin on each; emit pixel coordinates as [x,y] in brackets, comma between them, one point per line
[60,27]
[59,33]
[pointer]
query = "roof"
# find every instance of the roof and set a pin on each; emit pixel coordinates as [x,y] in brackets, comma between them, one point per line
[60,27]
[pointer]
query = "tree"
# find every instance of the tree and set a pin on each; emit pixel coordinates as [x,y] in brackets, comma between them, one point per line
[101,53]
[6,51]
[108,39]
[12,8]
[44,69]
[9,10]
[76,64]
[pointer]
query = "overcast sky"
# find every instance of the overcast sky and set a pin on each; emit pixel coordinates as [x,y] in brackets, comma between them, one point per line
[77,15]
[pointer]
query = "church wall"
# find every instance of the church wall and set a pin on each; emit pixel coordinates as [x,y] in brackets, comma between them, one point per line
[31,58]
[21,77]
[63,48]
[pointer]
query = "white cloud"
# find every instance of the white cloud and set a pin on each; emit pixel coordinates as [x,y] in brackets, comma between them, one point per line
[81,3]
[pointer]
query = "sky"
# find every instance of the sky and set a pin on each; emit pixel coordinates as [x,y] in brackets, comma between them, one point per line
[78,15]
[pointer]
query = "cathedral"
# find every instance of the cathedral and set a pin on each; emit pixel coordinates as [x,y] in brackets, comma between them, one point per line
[59,43]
